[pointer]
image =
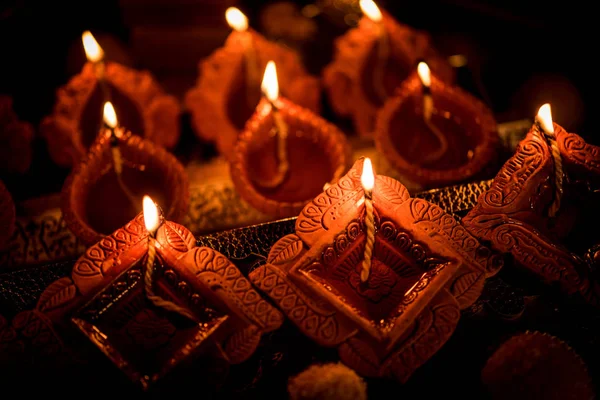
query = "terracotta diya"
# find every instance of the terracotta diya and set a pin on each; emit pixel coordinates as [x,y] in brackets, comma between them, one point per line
[435,134]
[77,116]
[375,273]
[371,61]
[286,154]
[15,139]
[149,298]
[531,204]
[105,190]
[7,215]
[228,87]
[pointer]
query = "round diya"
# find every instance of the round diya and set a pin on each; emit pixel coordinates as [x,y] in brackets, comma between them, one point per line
[355,88]
[469,143]
[94,203]
[7,215]
[318,153]
[77,116]
[15,139]
[536,366]
[219,103]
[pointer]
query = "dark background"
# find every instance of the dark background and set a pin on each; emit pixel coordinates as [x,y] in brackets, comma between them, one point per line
[519,54]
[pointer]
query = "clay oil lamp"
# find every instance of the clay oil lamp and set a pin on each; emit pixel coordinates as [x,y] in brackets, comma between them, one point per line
[376,274]
[7,216]
[15,139]
[143,106]
[149,298]
[435,134]
[228,86]
[105,190]
[371,61]
[534,201]
[286,154]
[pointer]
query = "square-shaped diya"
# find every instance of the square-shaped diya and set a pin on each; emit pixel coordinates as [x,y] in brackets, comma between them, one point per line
[425,267]
[109,299]
[143,340]
[538,197]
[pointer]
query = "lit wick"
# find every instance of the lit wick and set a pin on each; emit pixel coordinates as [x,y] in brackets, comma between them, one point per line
[152,221]
[545,125]
[370,9]
[95,55]
[110,121]
[270,88]
[425,77]
[368,181]
[238,22]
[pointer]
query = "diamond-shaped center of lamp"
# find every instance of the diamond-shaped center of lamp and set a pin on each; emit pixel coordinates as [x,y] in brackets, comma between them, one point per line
[144,340]
[399,263]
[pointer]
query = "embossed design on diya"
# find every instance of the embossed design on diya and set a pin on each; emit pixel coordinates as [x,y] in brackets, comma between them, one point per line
[218,104]
[348,79]
[150,330]
[104,297]
[405,139]
[512,214]
[318,153]
[7,215]
[77,116]
[16,137]
[426,267]
[94,204]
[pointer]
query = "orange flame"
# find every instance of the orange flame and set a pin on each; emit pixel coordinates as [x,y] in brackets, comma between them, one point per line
[544,116]
[93,51]
[151,215]
[368,177]
[110,116]
[370,9]
[270,85]
[424,73]
[236,19]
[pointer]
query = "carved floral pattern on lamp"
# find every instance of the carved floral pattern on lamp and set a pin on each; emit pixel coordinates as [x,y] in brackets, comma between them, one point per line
[77,115]
[371,61]
[425,268]
[513,214]
[227,90]
[104,297]
[436,134]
